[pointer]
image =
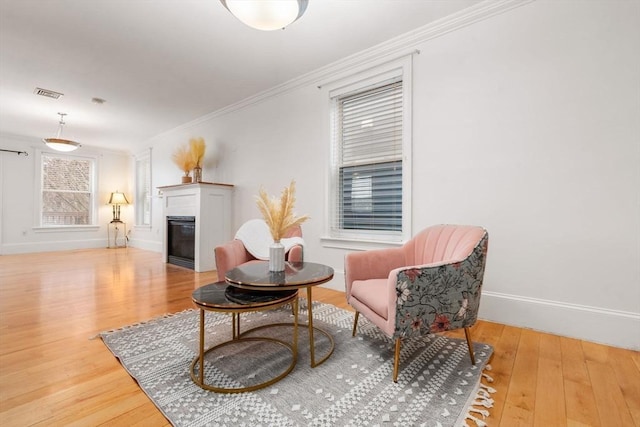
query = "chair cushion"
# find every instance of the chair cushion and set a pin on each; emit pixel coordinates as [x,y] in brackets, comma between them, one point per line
[373,293]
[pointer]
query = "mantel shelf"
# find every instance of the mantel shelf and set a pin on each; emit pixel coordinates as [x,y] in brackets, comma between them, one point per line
[194,184]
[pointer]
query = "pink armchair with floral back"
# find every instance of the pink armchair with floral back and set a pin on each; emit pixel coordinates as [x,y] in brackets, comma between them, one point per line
[430,284]
[234,253]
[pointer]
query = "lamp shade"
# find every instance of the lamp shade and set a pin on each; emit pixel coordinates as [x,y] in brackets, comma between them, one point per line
[118,198]
[59,144]
[266,15]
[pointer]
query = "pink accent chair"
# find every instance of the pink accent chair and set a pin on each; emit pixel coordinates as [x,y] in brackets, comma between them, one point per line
[430,284]
[233,253]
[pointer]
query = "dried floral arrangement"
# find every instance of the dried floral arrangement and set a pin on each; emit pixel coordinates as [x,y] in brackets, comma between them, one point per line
[278,214]
[184,159]
[197,147]
[190,156]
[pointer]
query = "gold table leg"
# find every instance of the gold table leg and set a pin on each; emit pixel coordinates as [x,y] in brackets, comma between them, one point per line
[295,328]
[201,373]
[312,343]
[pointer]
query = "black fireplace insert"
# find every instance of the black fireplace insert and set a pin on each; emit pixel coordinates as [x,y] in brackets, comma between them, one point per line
[181,241]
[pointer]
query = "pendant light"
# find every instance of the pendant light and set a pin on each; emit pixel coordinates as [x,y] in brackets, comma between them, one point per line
[266,15]
[58,143]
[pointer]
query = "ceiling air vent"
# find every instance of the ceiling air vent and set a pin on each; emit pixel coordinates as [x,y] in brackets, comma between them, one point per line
[48,93]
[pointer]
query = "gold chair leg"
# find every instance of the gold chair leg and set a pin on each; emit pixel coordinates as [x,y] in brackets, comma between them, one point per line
[396,361]
[467,333]
[355,324]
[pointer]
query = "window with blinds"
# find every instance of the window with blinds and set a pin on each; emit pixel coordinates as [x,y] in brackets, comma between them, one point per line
[368,127]
[66,190]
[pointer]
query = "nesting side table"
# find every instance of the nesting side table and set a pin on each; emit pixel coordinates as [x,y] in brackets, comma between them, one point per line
[222,298]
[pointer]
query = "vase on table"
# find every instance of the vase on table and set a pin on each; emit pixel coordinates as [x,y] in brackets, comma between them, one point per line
[276,256]
[186,179]
[197,174]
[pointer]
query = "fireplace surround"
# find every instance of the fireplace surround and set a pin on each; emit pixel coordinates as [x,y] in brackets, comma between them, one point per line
[204,212]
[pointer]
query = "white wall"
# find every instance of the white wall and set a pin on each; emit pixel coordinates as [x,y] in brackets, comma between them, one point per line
[525,123]
[18,190]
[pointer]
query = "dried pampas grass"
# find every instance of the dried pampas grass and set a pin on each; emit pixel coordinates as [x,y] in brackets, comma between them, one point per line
[197,146]
[279,215]
[183,158]
[190,156]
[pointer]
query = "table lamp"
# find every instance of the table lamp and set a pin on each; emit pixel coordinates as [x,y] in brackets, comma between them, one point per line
[116,200]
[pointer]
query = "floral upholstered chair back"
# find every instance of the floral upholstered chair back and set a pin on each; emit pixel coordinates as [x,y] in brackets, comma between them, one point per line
[441,289]
[431,284]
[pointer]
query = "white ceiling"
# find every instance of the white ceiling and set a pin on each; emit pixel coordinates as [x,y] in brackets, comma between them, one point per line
[159,64]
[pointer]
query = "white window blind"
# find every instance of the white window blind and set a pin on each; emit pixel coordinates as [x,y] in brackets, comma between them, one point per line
[368,128]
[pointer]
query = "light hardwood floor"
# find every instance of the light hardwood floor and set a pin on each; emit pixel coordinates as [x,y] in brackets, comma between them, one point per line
[52,373]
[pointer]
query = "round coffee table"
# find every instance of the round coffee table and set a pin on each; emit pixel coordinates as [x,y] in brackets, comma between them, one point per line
[255,276]
[222,298]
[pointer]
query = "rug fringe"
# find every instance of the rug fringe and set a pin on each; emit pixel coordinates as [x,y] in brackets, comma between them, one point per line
[482,399]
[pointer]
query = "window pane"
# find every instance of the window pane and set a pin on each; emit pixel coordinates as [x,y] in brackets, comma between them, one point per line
[61,208]
[66,174]
[371,197]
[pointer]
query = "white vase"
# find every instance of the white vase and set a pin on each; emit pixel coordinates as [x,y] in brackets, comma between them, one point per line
[276,257]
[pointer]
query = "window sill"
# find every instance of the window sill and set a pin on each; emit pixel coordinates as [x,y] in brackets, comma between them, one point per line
[58,228]
[358,244]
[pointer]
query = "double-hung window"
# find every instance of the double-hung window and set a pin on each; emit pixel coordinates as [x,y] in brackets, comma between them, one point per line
[370,173]
[67,196]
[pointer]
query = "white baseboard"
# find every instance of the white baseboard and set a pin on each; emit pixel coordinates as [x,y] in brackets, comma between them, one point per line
[58,245]
[149,245]
[68,245]
[611,327]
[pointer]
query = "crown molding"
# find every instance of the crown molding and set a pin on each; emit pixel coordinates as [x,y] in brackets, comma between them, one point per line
[379,54]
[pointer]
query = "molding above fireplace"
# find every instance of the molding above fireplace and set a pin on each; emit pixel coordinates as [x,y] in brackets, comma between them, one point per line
[211,205]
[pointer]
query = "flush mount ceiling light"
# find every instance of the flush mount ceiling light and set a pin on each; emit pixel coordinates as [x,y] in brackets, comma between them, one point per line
[60,144]
[266,15]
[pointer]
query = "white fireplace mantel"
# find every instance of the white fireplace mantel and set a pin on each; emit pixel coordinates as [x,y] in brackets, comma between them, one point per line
[211,205]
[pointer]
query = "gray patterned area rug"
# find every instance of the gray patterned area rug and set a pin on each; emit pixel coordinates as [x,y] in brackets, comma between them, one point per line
[437,385]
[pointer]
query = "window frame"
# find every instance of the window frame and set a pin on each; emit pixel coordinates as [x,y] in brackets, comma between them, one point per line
[93,214]
[365,80]
[139,202]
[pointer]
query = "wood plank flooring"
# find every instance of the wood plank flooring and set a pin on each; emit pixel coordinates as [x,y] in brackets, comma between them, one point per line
[52,373]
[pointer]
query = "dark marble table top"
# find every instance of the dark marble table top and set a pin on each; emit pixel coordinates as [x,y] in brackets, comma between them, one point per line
[221,296]
[256,275]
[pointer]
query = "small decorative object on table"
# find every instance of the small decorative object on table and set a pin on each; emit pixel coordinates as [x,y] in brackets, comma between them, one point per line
[197,146]
[276,256]
[280,217]
[183,158]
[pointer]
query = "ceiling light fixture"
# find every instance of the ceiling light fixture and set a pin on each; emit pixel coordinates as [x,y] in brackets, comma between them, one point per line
[60,144]
[266,15]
